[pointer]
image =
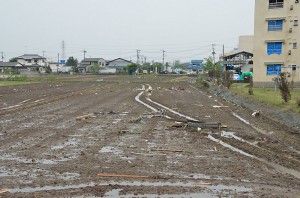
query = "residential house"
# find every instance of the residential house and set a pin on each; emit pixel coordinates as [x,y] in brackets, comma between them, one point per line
[118,63]
[196,67]
[276,41]
[9,66]
[33,64]
[87,63]
[238,62]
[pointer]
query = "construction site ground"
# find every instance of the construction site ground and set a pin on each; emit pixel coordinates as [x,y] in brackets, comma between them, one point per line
[110,136]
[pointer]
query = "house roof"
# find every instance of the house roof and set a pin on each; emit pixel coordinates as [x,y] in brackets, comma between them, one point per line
[30,56]
[119,59]
[91,59]
[8,64]
[238,53]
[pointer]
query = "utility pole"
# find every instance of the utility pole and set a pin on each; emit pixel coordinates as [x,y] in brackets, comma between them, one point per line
[57,62]
[2,57]
[213,53]
[138,56]
[214,60]
[164,59]
[44,57]
[84,52]
[138,59]
[223,59]
[63,47]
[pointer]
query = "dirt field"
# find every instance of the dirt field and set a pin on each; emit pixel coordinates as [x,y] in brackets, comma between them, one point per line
[103,136]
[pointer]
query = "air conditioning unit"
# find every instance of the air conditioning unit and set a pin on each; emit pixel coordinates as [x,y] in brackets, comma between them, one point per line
[290,30]
[290,52]
[291,7]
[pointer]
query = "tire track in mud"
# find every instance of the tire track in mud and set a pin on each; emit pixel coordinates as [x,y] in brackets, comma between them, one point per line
[277,167]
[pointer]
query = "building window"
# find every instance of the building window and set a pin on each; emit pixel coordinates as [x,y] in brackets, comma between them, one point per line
[294,67]
[273,69]
[294,45]
[274,48]
[28,61]
[275,25]
[295,22]
[273,4]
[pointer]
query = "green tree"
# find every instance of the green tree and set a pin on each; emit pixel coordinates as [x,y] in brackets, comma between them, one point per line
[72,62]
[214,70]
[95,69]
[13,59]
[159,66]
[74,69]
[48,70]
[131,68]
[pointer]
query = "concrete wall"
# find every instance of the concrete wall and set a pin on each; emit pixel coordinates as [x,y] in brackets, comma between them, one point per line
[246,43]
[261,36]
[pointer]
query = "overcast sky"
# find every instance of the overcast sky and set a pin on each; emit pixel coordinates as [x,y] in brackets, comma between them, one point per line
[185,29]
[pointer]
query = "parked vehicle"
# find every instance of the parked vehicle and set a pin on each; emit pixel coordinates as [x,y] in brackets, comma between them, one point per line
[236,77]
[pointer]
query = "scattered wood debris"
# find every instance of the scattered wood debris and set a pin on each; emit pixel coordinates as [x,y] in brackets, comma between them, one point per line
[202,125]
[212,125]
[3,191]
[123,132]
[202,183]
[84,117]
[136,120]
[168,150]
[147,154]
[124,176]
[256,113]
[215,106]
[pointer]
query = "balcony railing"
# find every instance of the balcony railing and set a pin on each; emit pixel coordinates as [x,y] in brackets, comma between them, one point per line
[275,5]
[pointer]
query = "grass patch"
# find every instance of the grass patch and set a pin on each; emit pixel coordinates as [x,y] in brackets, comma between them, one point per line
[268,96]
[13,83]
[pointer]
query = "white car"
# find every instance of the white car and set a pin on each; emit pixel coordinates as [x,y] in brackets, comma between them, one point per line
[236,77]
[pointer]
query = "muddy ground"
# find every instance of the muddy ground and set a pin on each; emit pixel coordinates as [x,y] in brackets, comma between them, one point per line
[127,145]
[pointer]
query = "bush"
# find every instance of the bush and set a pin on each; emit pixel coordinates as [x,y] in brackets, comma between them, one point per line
[227,79]
[284,87]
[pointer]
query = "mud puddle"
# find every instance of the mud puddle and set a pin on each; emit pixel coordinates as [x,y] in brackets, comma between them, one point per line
[115,151]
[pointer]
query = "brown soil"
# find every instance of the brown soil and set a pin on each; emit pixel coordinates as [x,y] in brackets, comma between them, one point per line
[46,152]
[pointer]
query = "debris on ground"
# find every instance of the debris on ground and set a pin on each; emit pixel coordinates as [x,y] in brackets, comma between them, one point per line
[256,113]
[136,120]
[112,112]
[124,176]
[123,132]
[215,106]
[270,138]
[84,117]
[3,191]
[168,150]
